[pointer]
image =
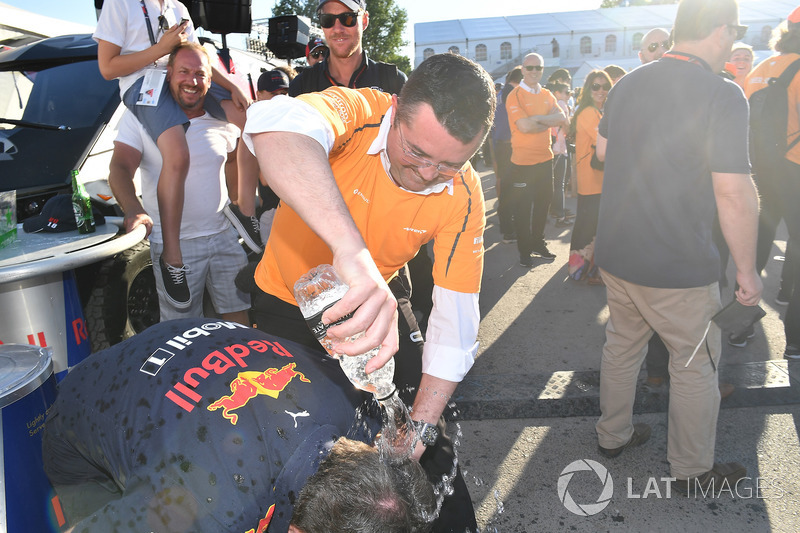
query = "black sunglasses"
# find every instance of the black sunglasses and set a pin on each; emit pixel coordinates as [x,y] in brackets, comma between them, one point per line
[741,31]
[652,47]
[597,87]
[348,19]
[317,53]
[537,68]
[163,25]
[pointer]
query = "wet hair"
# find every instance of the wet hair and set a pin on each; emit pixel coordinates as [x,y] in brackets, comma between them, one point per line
[353,491]
[188,45]
[585,100]
[696,19]
[786,38]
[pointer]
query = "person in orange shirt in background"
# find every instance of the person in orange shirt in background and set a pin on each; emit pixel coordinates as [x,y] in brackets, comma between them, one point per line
[590,178]
[777,181]
[532,111]
[742,59]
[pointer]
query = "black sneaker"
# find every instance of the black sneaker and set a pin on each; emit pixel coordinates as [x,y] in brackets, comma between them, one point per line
[525,261]
[792,352]
[508,238]
[542,251]
[740,339]
[175,284]
[641,433]
[248,227]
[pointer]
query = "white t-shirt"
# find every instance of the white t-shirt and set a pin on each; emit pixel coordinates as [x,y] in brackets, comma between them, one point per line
[122,23]
[205,192]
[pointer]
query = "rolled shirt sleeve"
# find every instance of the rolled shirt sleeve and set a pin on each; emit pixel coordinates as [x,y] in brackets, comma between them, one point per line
[283,113]
[451,340]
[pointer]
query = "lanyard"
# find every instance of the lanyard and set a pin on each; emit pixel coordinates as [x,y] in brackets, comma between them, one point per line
[681,56]
[147,23]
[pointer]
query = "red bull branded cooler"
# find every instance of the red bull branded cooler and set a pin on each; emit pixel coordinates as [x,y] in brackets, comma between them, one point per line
[27,391]
[46,311]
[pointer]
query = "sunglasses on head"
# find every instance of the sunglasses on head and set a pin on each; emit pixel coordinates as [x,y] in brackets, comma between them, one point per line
[741,31]
[348,19]
[598,86]
[316,54]
[537,68]
[652,47]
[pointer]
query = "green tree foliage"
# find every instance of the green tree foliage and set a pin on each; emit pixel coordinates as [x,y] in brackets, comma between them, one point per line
[383,37]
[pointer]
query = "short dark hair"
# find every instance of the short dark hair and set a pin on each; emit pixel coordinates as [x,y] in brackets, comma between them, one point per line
[515,74]
[460,92]
[557,87]
[615,71]
[560,74]
[355,491]
[696,19]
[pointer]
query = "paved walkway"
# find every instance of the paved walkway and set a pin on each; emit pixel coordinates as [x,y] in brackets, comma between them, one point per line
[528,407]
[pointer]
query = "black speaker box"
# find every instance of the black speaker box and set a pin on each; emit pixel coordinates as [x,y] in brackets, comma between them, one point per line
[221,16]
[288,36]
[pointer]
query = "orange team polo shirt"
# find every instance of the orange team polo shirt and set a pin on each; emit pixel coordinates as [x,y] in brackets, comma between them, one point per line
[590,181]
[772,67]
[394,223]
[529,148]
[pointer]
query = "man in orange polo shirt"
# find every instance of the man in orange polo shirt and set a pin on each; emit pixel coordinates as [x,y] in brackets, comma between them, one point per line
[532,111]
[365,179]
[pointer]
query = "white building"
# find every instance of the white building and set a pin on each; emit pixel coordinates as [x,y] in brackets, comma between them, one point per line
[576,40]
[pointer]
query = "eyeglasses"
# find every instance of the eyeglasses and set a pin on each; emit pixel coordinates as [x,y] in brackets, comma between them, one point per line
[420,162]
[652,47]
[740,30]
[537,68]
[348,19]
[317,53]
[604,86]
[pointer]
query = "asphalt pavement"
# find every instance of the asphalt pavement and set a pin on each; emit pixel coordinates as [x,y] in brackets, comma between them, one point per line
[525,414]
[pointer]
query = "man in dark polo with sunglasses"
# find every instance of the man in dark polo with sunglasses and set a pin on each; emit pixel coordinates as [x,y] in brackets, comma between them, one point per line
[347,65]
[670,169]
[365,180]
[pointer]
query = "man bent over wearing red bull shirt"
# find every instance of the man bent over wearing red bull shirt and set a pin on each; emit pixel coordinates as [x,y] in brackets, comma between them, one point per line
[207,426]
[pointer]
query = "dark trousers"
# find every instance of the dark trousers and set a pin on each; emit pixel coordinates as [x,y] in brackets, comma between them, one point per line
[533,193]
[504,178]
[791,215]
[560,175]
[585,228]
[277,317]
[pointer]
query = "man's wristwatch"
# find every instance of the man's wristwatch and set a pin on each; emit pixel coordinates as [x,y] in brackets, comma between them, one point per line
[428,433]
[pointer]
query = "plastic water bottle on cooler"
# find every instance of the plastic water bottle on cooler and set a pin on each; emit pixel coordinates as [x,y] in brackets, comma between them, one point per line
[315,292]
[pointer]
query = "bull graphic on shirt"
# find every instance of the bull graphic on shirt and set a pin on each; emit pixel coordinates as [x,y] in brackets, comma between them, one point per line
[248,385]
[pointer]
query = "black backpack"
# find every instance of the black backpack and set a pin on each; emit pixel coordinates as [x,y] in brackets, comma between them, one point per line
[769,115]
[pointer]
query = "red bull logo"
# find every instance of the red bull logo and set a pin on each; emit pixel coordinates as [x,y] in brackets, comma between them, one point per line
[248,385]
[264,522]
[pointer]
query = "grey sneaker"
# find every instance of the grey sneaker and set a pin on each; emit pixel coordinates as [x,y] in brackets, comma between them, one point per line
[641,433]
[248,227]
[177,288]
[723,476]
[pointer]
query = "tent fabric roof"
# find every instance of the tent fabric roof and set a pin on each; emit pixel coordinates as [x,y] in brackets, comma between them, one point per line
[610,19]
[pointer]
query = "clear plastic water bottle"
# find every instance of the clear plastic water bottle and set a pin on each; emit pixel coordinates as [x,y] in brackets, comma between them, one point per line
[315,292]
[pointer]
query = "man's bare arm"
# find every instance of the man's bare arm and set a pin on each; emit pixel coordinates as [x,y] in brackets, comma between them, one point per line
[737,205]
[296,167]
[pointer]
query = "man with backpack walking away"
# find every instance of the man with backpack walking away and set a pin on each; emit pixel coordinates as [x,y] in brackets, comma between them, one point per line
[773,89]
